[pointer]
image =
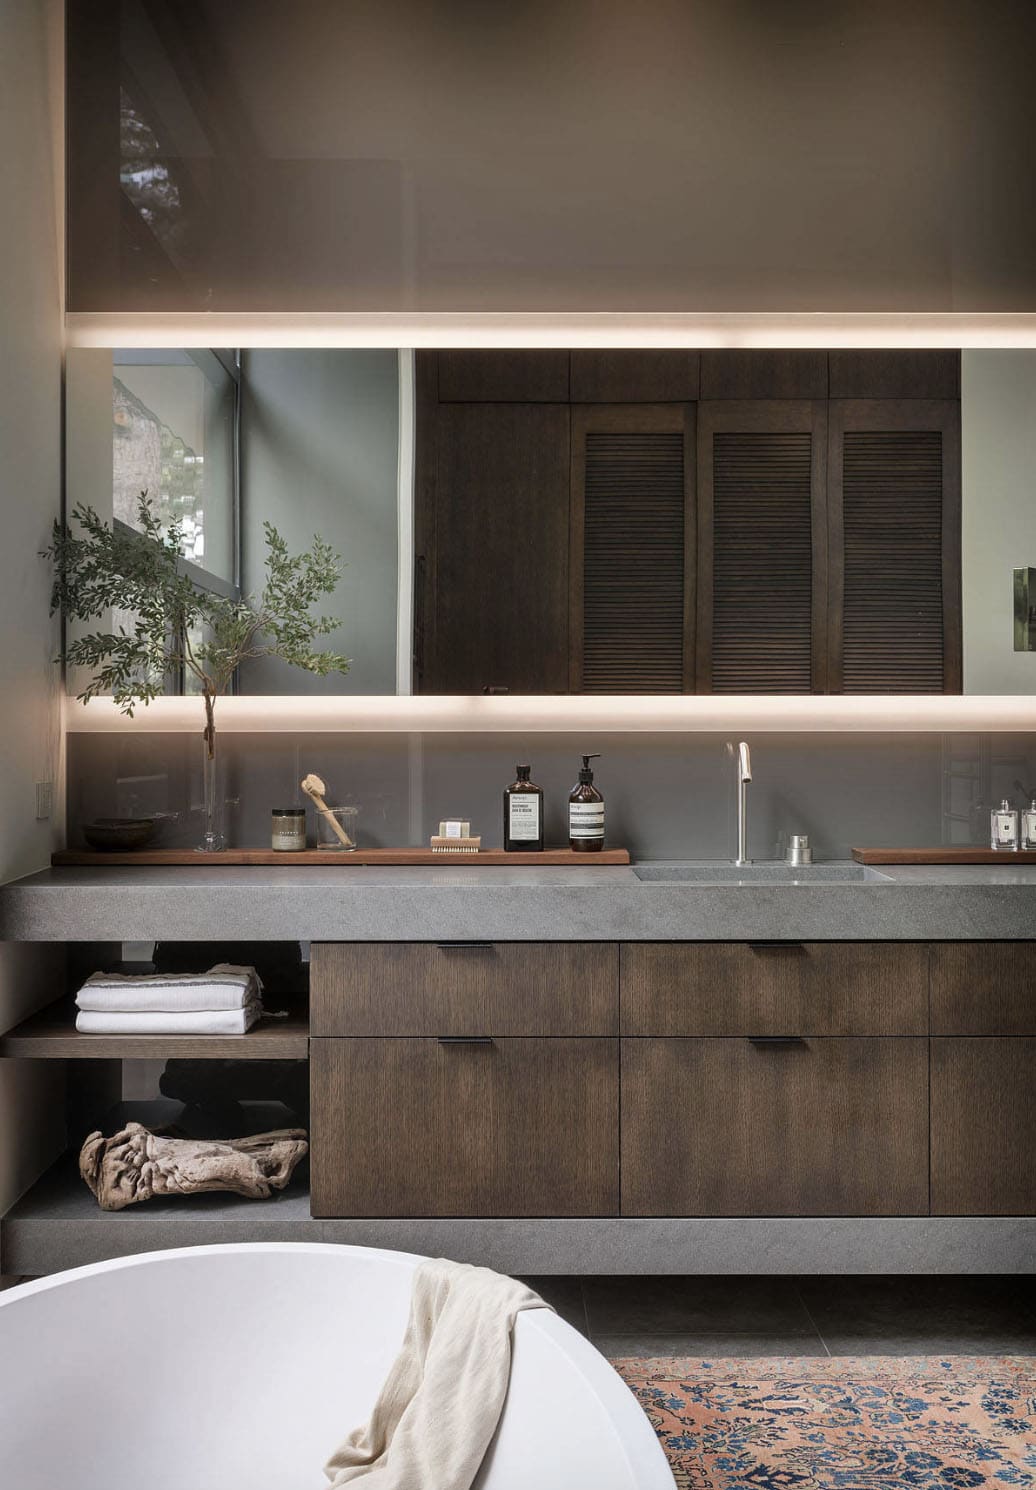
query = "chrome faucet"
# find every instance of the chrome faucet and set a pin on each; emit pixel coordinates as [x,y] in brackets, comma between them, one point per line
[744,776]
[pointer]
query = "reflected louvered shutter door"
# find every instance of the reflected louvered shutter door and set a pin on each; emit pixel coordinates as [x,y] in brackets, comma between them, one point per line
[633,563]
[762,572]
[892,503]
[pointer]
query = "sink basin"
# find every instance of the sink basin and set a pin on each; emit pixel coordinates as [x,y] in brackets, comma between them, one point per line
[722,872]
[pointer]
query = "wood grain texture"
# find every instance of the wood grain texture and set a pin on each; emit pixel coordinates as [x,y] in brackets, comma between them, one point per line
[795,988]
[499,578]
[983,988]
[503,375]
[736,373]
[612,375]
[632,547]
[51,1035]
[894,518]
[518,1127]
[831,1127]
[970,855]
[894,373]
[497,988]
[983,1127]
[762,546]
[552,858]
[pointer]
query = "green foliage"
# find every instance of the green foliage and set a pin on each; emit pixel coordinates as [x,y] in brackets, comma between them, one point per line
[172,628]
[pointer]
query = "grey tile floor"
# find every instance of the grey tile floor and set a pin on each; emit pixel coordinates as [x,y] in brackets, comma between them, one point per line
[809,1316]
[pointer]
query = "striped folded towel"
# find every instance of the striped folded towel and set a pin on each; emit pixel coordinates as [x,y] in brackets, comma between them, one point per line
[164,1022]
[223,988]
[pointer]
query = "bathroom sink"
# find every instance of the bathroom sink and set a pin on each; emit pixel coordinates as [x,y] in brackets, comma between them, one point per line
[723,872]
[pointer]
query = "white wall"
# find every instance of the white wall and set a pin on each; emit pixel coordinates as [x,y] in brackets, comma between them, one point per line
[998,429]
[31,1118]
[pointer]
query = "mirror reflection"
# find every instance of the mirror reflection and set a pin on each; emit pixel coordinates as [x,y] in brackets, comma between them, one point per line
[633,521]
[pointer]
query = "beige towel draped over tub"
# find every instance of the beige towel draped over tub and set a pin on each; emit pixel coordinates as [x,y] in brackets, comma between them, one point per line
[439,1407]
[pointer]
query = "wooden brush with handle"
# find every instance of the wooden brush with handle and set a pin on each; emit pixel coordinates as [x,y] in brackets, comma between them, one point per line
[314,788]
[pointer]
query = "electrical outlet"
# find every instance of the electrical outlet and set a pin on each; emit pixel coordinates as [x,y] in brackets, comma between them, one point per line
[44,799]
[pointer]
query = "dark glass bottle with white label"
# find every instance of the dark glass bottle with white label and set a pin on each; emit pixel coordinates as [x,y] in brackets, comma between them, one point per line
[586,813]
[523,814]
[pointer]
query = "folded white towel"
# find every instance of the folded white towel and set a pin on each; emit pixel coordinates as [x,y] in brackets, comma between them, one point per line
[222,987]
[442,1399]
[157,1022]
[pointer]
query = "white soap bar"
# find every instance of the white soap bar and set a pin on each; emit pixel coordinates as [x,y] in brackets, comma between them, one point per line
[454,828]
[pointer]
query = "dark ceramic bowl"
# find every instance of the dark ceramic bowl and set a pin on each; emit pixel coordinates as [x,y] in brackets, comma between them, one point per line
[116,834]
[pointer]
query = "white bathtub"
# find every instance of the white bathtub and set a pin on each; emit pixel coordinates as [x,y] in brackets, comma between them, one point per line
[242,1367]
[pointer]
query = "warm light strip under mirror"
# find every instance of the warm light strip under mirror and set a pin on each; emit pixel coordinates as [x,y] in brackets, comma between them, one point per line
[820,330]
[712,714]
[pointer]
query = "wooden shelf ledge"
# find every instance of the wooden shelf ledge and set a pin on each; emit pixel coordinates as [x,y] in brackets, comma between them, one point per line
[51,1035]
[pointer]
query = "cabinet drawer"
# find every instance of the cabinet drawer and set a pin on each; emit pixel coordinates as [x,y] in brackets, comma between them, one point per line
[464,988]
[984,988]
[984,1127]
[824,1127]
[774,988]
[511,1127]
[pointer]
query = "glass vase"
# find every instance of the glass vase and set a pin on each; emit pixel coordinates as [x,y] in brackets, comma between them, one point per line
[214,796]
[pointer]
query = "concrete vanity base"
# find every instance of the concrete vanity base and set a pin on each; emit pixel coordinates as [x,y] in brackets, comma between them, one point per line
[58,1225]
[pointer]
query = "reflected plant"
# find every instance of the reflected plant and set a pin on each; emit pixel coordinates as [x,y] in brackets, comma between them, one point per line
[173,630]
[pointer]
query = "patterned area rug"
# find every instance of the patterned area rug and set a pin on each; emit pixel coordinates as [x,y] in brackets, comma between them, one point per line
[850,1423]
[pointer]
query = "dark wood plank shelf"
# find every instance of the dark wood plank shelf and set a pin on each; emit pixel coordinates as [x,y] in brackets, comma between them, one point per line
[970,855]
[51,1035]
[551,858]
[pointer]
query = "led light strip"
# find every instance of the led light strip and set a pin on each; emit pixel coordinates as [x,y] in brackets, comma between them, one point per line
[461,329]
[584,713]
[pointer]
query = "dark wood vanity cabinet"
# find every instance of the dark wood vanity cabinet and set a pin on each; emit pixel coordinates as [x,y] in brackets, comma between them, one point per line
[465,1079]
[673,1079]
[774,1126]
[675,521]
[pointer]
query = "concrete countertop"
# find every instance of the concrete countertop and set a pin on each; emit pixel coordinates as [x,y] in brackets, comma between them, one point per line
[363,903]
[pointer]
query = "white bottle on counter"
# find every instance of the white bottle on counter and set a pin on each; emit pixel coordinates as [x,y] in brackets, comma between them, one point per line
[1003,827]
[1029,825]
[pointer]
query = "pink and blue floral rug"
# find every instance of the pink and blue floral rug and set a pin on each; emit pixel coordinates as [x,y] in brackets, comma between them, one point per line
[848,1423]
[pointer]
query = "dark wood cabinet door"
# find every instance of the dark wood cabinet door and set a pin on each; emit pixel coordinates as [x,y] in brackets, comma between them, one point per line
[631,583]
[984,988]
[762,547]
[494,576]
[635,375]
[894,525]
[774,988]
[736,373]
[984,1126]
[464,988]
[824,1127]
[418,1127]
[499,375]
[894,373]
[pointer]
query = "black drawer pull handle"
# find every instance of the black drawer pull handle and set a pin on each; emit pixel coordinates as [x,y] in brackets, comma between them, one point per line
[463,946]
[465,1039]
[776,1040]
[775,946]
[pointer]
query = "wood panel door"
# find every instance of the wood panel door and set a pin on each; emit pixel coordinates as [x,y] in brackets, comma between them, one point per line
[774,988]
[422,1127]
[984,1126]
[632,573]
[464,988]
[894,521]
[815,1127]
[492,566]
[983,988]
[762,546]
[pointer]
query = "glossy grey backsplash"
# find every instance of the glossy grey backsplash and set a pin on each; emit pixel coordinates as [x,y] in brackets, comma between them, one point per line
[666,795]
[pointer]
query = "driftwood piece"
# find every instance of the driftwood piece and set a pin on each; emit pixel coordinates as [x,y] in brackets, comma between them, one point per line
[136,1164]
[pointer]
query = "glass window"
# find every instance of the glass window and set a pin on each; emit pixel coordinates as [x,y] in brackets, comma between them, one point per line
[173,436]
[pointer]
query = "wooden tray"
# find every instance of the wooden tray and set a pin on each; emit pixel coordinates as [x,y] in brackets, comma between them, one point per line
[551,858]
[942,856]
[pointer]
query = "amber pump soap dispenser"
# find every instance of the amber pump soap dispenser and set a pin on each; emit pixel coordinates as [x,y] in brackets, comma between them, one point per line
[523,813]
[586,813]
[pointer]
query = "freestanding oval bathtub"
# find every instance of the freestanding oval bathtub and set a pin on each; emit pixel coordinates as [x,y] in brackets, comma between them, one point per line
[242,1368]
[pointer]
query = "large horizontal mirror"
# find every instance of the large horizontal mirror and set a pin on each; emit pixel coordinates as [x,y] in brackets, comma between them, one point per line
[595,521]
